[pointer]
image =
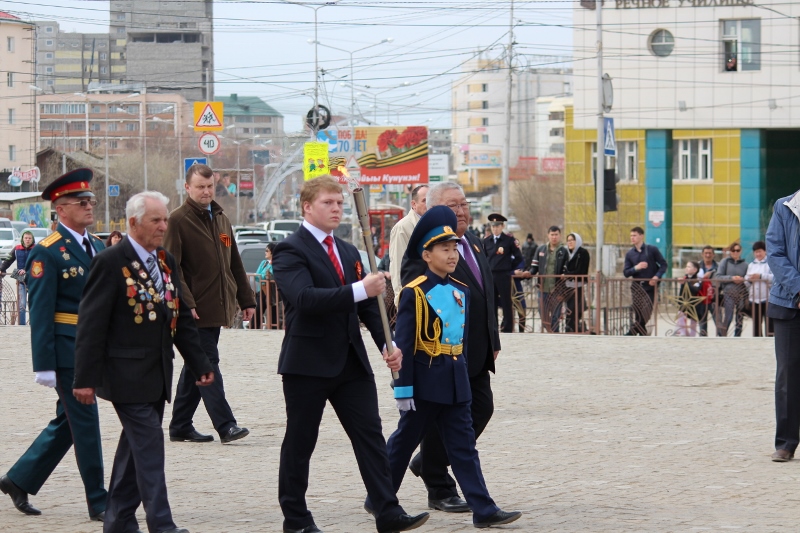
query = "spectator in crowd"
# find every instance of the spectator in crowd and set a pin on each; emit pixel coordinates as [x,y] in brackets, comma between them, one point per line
[528,251]
[20,255]
[503,256]
[708,267]
[731,273]
[690,309]
[576,268]
[398,238]
[645,264]
[264,273]
[230,187]
[220,189]
[759,277]
[519,293]
[549,261]
[784,300]
[113,238]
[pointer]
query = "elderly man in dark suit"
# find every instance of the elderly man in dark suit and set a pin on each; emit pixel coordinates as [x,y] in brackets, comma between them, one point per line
[131,315]
[482,350]
[323,358]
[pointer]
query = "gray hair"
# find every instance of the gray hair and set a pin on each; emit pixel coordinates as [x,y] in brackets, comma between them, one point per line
[437,190]
[135,207]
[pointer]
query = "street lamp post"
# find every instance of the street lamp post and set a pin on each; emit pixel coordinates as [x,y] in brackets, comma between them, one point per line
[239,176]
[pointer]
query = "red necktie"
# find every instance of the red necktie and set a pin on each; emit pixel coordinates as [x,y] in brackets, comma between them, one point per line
[328,241]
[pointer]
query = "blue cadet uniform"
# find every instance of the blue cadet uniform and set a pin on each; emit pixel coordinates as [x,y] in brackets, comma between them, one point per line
[431,332]
[56,272]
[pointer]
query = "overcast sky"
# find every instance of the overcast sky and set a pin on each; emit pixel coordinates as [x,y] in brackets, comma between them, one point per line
[261,48]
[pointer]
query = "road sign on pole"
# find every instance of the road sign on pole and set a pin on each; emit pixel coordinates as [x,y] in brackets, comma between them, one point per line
[208,116]
[610,145]
[209,143]
[193,161]
[113,190]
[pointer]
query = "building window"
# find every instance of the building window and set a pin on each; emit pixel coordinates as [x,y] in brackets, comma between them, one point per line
[94,126]
[48,29]
[95,109]
[694,159]
[485,139]
[10,79]
[245,130]
[485,104]
[741,43]
[48,55]
[556,132]
[120,16]
[131,126]
[263,130]
[112,144]
[156,109]
[661,43]
[48,70]
[12,115]
[96,143]
[12,152]
[48,43]
[556,115]
[50,82]
[103,55]
[484,121]
[62,109]
[121,30]
[134,109]
[111,126]
[103,70]
[625,163]
[10,43]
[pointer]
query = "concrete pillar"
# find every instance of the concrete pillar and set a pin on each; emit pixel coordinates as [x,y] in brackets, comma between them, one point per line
[753,186]
[658,191]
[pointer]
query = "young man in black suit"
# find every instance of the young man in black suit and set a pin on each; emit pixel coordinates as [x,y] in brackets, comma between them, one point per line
[323,358]
[482,350]
[131,315]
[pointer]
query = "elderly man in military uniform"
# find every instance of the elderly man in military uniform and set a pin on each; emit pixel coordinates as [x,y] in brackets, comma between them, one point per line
[503,256]
[56,273]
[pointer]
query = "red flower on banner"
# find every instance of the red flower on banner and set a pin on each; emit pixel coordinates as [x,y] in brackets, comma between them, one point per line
[411,136]
[386,139]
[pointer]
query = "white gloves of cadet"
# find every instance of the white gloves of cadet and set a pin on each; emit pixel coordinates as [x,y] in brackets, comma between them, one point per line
[46,378]
[406,404]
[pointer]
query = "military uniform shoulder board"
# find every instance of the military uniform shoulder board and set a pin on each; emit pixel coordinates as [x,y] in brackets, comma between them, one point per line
[95,236]
[459,282]
[412,284]
[50,239]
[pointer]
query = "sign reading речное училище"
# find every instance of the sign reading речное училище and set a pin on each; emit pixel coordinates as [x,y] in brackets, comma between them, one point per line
[646,4]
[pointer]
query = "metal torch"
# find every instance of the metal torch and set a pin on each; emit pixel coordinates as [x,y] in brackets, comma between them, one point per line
[363,219]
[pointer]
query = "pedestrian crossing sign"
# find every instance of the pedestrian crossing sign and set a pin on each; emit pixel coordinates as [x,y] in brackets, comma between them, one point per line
[610,144]
[208,116]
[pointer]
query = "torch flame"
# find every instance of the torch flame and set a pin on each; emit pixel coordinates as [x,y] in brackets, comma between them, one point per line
[351,182]
[343,170]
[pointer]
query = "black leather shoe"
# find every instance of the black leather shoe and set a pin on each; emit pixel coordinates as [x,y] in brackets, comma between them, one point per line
[18,496]
[453,504]
[369,509]
[176,530]
[499,518]
[99,517]
[404,522]
[190,436]
[308,529]
[234,433]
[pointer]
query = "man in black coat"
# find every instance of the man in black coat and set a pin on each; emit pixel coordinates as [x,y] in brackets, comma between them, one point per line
[326,294]
[482,347]
[130,316]
[504,256]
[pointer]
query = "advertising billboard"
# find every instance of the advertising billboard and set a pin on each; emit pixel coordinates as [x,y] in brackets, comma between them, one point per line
[386,155]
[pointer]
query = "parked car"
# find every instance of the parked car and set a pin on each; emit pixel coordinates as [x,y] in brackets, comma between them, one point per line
[5,222]
[9,238]
[39,233]
[283,225]
[19,225]
[251,236]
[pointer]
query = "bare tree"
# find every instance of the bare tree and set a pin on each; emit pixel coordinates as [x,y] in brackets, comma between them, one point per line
[538,203]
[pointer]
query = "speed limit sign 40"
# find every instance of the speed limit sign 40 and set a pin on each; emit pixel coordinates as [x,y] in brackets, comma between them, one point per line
[209,143]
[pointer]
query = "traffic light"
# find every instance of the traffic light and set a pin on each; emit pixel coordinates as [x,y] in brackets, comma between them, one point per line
[610,199]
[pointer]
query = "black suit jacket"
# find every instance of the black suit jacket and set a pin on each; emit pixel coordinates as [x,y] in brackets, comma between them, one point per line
[128,362]
[322,318]
[507,260]
[484,339]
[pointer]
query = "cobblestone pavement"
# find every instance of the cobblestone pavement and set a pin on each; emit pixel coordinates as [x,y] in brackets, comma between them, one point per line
[589,434]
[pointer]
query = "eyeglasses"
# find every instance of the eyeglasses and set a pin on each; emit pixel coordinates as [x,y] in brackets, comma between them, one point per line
[82,203]
[736,250]
[455,207]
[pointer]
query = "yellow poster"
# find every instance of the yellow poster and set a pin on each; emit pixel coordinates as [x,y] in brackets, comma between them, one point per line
[315,160]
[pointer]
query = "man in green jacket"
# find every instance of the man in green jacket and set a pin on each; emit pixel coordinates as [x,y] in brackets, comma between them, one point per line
[200,237]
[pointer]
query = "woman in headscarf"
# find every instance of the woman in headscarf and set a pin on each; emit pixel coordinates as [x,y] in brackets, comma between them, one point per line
[576,269]
[20,255]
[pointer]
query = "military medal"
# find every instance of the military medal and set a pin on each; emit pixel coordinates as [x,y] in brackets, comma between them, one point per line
[458,298]
[131,301]
[73,271]
[143,274]
[152,316]
[129,281]
[136,265]
[150,306]
[64,253]
[138,319]
[80,271]
[137,308]
[477,250]
[65,274]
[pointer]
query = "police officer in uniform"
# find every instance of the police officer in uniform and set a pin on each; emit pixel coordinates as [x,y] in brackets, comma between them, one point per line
[503,257]
[56,274]
[433,386]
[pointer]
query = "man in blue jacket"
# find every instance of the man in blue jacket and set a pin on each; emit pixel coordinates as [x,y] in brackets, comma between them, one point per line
[784,300]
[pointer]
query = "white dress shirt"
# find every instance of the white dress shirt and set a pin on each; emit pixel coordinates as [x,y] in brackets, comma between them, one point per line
[359,292]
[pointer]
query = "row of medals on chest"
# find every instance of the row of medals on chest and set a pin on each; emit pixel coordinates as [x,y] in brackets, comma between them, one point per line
[73,271]
[146,293]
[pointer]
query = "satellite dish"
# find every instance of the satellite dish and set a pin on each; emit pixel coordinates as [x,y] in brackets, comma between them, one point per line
[608,93]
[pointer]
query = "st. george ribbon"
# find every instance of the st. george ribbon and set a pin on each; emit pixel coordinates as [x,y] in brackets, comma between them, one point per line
[363,218]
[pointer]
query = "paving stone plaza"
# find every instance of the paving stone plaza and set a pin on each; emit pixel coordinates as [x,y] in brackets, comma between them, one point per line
[589,434]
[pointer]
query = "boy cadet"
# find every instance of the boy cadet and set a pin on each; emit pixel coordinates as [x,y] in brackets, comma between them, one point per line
[433,387]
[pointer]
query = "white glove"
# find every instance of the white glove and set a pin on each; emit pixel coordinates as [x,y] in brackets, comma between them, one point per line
[46,378]
[406,404]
